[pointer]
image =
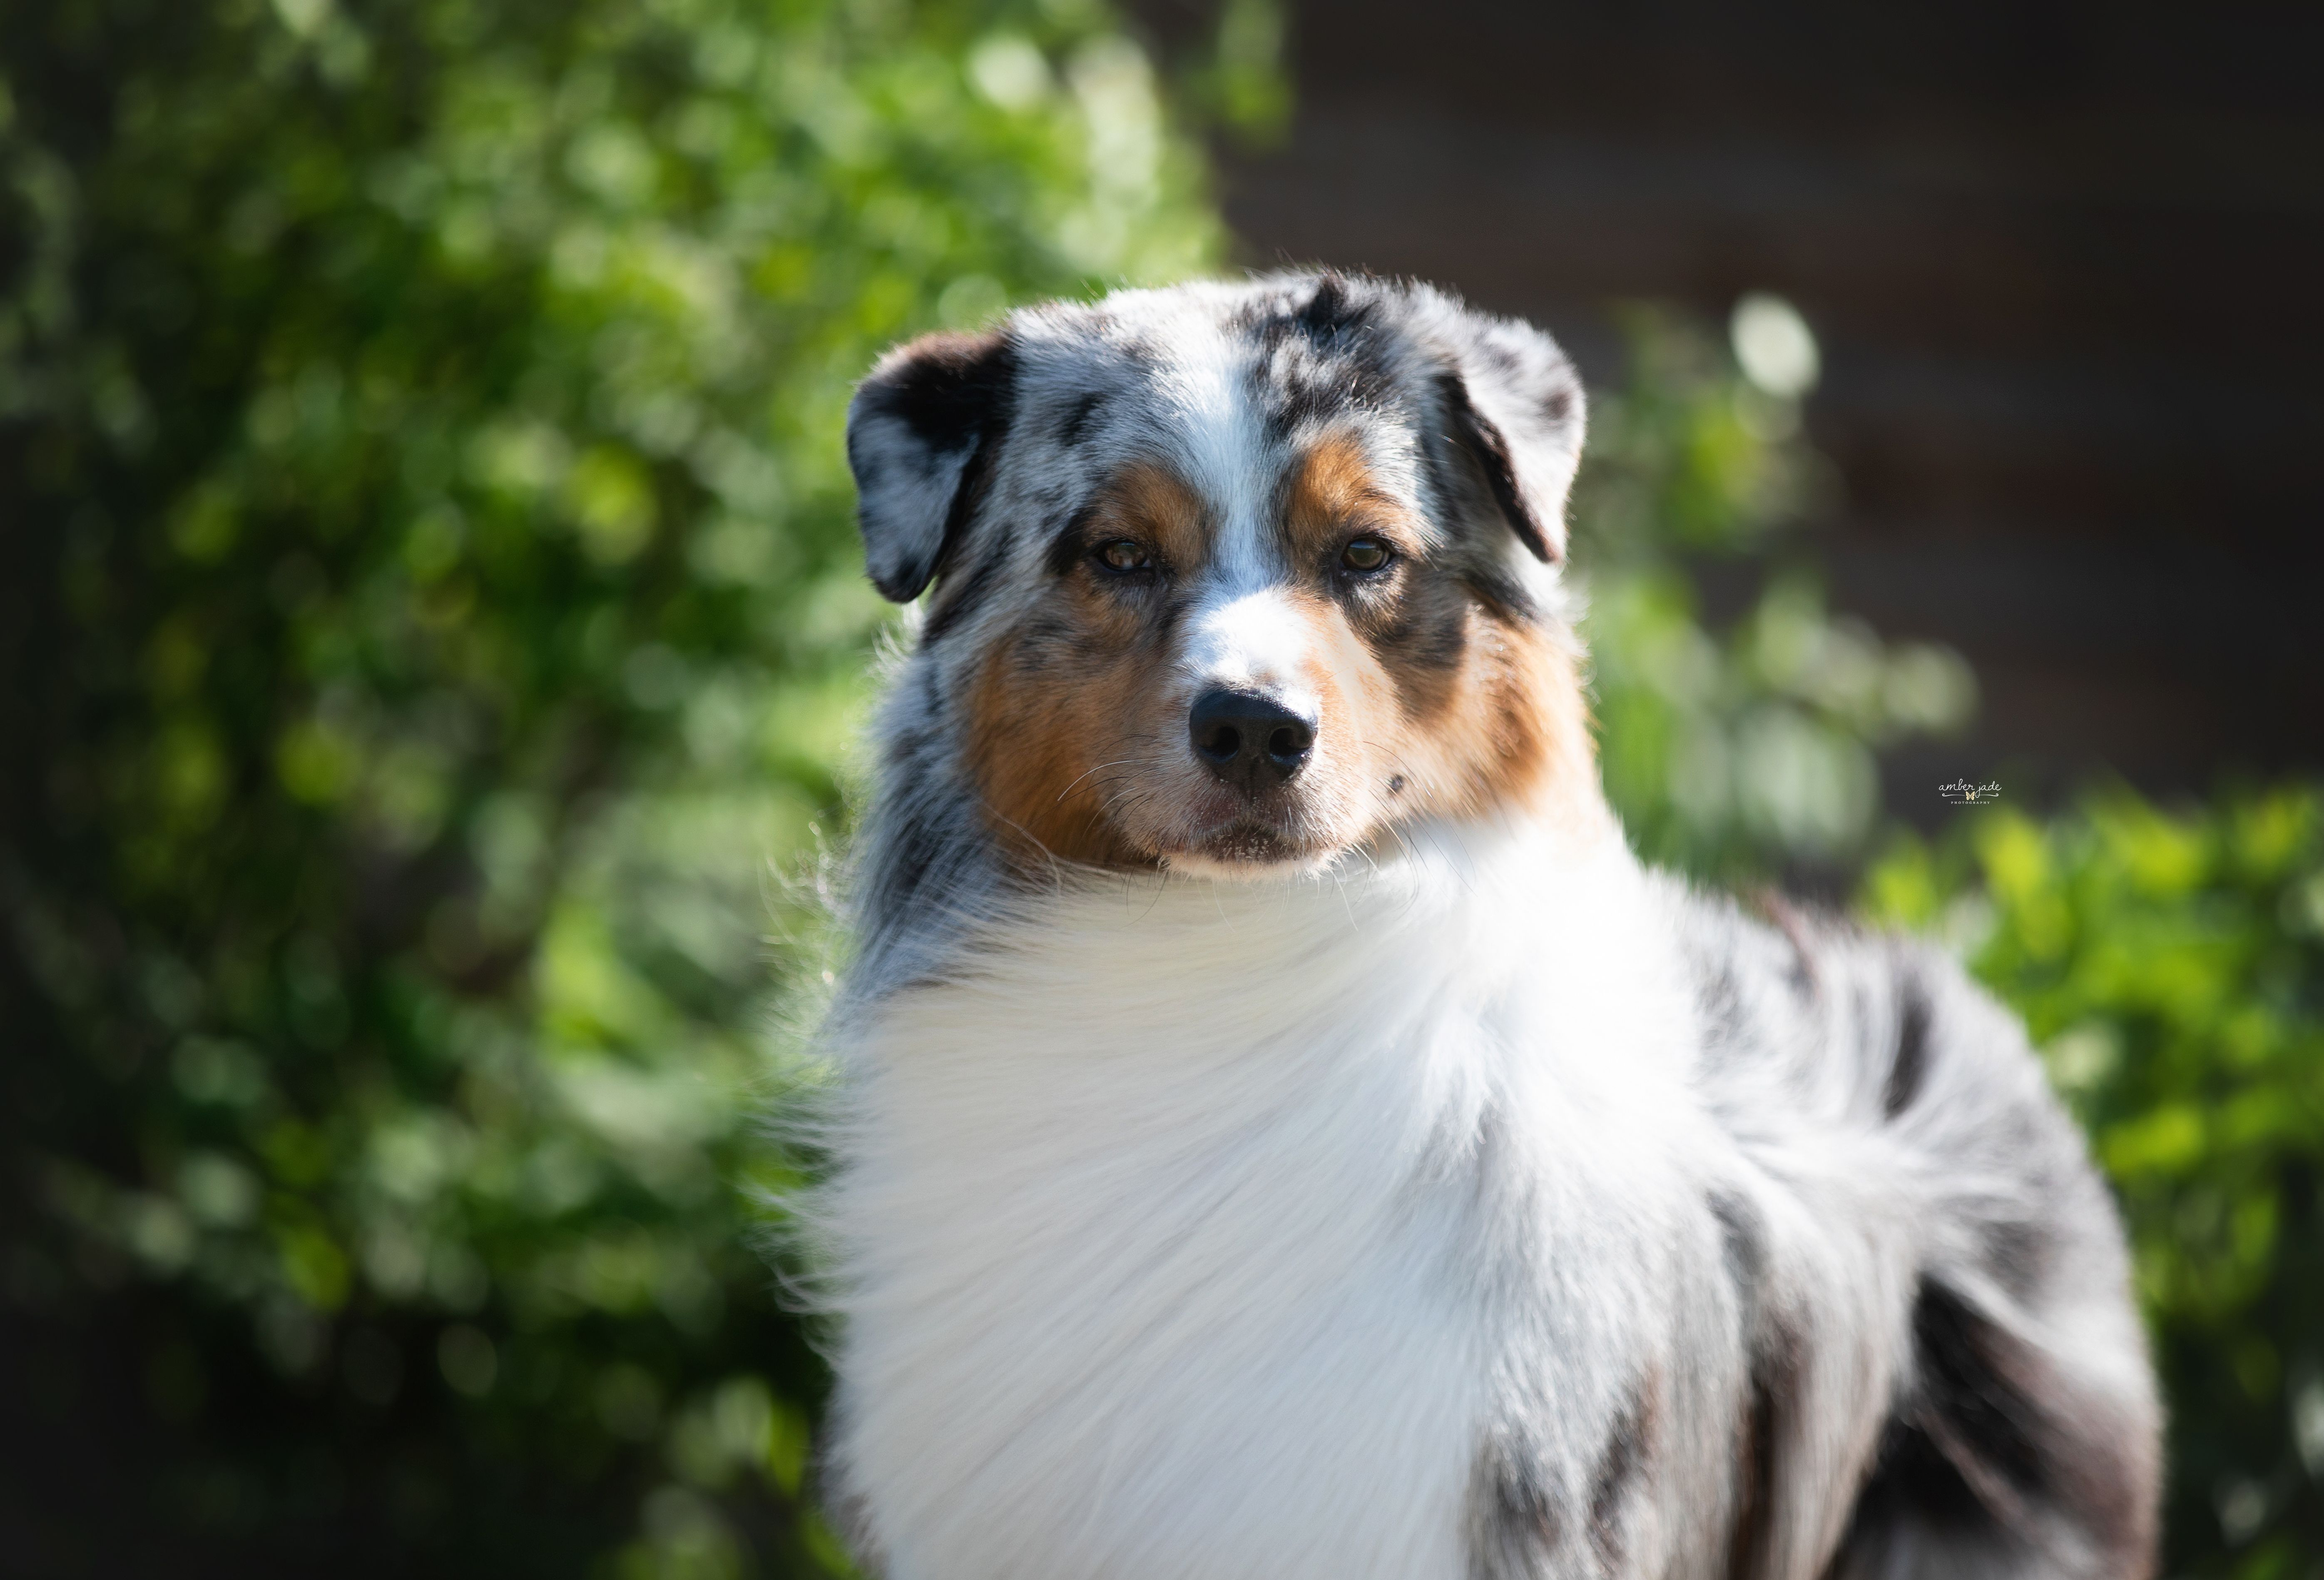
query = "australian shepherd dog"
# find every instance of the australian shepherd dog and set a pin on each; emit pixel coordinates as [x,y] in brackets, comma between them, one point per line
[1283,1133]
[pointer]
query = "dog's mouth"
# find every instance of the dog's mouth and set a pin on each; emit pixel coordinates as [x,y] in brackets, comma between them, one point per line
[1244,844]
[1229,831]
[1247,841]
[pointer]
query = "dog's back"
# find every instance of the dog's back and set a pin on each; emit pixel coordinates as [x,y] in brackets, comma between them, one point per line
[2020,1436]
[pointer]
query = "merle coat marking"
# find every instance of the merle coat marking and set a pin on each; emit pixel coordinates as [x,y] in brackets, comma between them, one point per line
[1378,1173]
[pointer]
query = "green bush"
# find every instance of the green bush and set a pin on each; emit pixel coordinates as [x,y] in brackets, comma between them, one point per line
[2172,969]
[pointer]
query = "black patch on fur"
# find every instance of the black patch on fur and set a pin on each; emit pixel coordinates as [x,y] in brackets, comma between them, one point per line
[1965,1383]
[1174,609]
[1513,1517]
[1319,357]
[1909,1070]
[1743,1242]
[1418,637]
[1501,594]
[1332,310]
[1485,445]
[947,393]
[1964,1458]
[1771,1379]
[975,483]
[1298,396]
[912,855]
[956,603]
[1071,545]
[1912,1480]
[1771,1413]
[2018,1252]
[957,391]
[1755,1482]
[1298,401]
[1077,418]
[1336,308]
[1049,638]
[1629,1446]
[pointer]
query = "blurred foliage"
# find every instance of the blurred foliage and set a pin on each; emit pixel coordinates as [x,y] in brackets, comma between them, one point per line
[2172,969]
[1744,745]
[433,604]
[1239,86]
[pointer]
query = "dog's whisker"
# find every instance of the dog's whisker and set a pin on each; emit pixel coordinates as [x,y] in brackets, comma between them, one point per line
[1118,763]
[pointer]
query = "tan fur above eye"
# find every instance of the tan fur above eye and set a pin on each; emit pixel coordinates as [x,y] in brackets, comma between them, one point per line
[1151,509]
[1332,489]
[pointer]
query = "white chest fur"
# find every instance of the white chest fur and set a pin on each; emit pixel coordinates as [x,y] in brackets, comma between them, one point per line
[1192,1231]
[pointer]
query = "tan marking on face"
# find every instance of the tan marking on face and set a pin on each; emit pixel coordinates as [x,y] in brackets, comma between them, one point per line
[1505,730]
[1065,717]
[1152,506]
[1038,733]
[1334,496]
[1509,733]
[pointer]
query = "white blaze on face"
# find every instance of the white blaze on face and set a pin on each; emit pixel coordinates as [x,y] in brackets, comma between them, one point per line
[1247,638]
[1245,634]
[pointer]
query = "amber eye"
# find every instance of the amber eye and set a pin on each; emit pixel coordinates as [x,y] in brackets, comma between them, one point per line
[1365,554]
[1124,555]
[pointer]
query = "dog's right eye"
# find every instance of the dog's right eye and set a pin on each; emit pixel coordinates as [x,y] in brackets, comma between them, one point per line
[1121,556]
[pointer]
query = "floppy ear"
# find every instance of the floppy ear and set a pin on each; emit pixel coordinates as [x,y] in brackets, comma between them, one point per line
[1515,403]
[920,437]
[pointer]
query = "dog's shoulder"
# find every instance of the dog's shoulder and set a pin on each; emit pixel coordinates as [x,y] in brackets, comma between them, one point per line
[2024,1422]
[1877,1021]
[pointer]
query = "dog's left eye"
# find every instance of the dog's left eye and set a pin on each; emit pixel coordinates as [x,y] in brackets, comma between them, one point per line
[1365,554]
[1123,555]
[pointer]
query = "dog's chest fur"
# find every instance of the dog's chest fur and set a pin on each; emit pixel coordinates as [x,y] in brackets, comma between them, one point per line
[1232,1212]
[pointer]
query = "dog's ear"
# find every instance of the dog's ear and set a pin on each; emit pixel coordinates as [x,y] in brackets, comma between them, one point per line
[1514,403]
[920,434]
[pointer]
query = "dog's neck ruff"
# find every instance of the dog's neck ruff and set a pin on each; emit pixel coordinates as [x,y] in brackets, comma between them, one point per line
[1184,1224]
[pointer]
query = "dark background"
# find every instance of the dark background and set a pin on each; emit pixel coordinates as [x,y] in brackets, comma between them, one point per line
[2066,264]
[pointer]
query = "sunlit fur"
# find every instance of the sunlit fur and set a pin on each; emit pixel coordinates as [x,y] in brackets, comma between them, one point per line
[1378,1173]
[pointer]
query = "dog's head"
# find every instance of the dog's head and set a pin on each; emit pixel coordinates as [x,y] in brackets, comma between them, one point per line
[1234,576]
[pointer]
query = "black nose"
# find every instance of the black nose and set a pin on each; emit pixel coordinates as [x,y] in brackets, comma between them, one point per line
[1251,741]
